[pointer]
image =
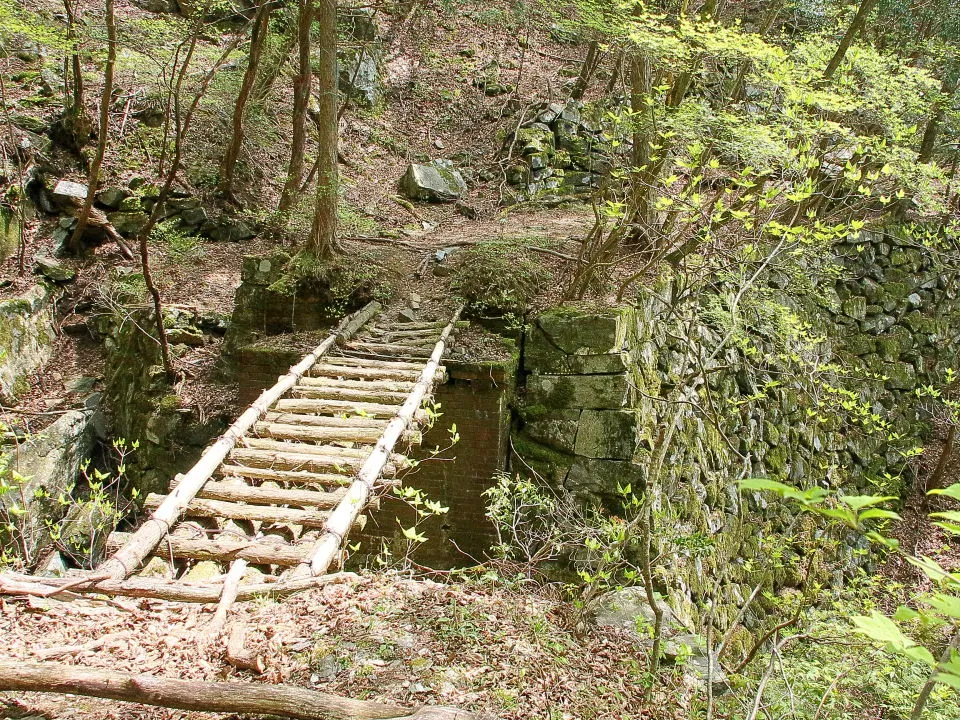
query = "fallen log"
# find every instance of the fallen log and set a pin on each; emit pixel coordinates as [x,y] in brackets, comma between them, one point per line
[216,697]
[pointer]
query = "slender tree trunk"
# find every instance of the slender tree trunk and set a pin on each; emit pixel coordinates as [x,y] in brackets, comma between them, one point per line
[77,99]
[323,235]
[301,99]
[590,63]
[921,702]
[856,25]
[104,136]
[929,143]
[258,36]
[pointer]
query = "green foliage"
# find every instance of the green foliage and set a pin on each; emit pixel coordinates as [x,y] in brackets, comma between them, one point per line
[179,243]
[498,277]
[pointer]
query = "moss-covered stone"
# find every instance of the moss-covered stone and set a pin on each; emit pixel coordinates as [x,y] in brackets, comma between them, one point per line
[557,429]
[607,434]
[578,391]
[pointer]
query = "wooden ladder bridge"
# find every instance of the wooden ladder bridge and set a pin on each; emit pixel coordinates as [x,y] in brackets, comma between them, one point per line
[282,488]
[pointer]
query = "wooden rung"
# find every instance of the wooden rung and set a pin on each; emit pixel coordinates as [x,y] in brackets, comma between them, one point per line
[387,349]
[354,362]
[297,448]
[290,461]
[317,433]
[431,325]
[413,334]
[398,386]
[364,373]
[385,397]
[240,511]
[241,492]
[264,551]
[333,421]
[293,477]
[335,407]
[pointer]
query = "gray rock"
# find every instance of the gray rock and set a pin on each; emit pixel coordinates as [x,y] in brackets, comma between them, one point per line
[112,197]
[53,270]
[226,229]
[578,391]
[157,6]
[127,224]
[193,218]
[436,182]
[70,192]
[359,77]
[628,609]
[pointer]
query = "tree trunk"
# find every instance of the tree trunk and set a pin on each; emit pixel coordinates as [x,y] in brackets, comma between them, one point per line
[301,99]
[929,143]
[258,36]
[217,697]
[859,20]
[322,242]
[104,135]
[590,64]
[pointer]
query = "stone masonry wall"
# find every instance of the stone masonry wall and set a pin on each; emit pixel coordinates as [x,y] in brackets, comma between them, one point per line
[591,418]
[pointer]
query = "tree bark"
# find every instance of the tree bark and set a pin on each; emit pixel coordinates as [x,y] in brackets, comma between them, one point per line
[930,134]
[590,63]
[301,99]
[856,25]
[322,242]
[104,135]
[217,697]
[258,37]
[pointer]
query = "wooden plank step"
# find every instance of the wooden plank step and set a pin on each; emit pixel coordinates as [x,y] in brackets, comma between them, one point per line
[264,551]
[384,349]
[411,374]
[373,363]
[267,495]
[336,407]
[241,511]
[407,342]
[437,325]
[301,461]
[298,448]
[317,433]
[404,386]
[384,397]
[411,334]
[292,477]
[332,421]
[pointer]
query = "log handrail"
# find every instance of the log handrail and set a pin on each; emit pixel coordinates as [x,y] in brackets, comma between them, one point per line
[345,513]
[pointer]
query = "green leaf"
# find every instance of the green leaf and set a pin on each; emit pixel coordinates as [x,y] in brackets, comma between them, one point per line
[858,502]
[947,604]
[953,491]
[882,629]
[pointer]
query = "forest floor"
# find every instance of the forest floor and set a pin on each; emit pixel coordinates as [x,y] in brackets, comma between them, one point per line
[509,654]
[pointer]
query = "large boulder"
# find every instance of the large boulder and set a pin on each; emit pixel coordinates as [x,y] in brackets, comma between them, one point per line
[359,77]
[436,182]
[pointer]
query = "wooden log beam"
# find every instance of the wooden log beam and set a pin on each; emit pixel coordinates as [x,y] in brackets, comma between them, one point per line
[172,590]
[390,364]
[216,697]
[294,477]
[241,511]
[363,373]
[401,386]
[265,495]
[299,448]
[126,560]
[325,420]
[321,433]
[363,395]
[224,548]
[269,459]
[336,407]
[389,349]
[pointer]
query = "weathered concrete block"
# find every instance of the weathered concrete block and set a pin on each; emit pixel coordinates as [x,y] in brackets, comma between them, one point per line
[601,478]
[558,392]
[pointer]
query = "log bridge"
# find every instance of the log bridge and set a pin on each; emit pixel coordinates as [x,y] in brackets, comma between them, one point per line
[278,493]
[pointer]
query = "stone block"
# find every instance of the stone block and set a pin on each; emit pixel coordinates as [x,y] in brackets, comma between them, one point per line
[592,477]
[556,429]
[607,434]
[558,392]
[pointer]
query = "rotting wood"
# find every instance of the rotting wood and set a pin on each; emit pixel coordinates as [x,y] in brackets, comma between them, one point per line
[172,590]
[375,363]
[388,349]
[219,697]
[231,585]
[343,516]
[126,560]
[238,655]
[325,420]
[240,511]
[299,448]
[316,433]
[225,548]
[362,373]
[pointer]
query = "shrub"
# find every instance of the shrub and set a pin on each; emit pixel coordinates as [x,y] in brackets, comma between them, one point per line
[499,277]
